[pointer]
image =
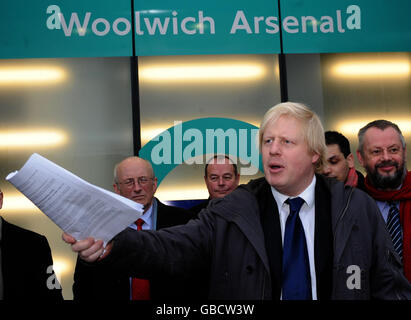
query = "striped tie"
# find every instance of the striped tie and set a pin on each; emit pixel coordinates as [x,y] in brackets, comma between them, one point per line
[394,227]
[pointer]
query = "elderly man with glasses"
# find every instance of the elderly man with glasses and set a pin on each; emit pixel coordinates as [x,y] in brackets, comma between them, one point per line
[134,179]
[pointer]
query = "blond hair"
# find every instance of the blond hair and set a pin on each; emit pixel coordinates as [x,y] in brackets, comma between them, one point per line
[313,131]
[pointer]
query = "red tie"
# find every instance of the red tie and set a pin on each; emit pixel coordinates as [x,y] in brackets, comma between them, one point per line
[140,288]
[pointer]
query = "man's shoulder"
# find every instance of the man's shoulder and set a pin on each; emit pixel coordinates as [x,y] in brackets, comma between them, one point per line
[162,207]
[168,216]
[338,189]
[16,239]
[349,201]
[243,199]
[13,231]
[198,207]
[256,186]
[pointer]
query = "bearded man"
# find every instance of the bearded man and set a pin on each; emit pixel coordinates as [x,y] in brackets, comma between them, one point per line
[382,152]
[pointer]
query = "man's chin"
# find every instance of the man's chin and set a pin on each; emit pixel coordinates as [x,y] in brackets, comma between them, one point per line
[222,195]
[384,174]
[386,181]
[139,200]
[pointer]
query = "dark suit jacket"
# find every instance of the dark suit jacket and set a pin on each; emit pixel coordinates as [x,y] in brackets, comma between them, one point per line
[26,258]
[198,207]
[105,283]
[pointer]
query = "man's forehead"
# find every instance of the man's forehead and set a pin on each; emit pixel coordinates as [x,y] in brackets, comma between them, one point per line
[333,149]
[224,167]
[375,137]
[284,125]
[283,121]
[219,160]
[134,166]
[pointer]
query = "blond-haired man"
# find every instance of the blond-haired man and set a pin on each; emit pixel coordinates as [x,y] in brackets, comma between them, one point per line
[291,235]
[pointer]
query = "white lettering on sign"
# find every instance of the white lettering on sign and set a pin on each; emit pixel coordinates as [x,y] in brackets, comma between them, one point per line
[201,24]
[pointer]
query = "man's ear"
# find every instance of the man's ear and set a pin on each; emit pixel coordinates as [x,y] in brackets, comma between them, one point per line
[360,159]
[116,189]
[350,160]
[315,158]
[155,183]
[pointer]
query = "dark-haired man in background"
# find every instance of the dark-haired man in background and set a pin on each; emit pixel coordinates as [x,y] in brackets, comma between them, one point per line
[340,160]
[221,177]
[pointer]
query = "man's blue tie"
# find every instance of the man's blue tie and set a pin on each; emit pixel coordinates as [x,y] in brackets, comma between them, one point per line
[296,266]
[394,227]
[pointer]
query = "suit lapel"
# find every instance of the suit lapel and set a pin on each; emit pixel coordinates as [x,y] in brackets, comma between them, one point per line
[160,223]
[270,222]
[323,240]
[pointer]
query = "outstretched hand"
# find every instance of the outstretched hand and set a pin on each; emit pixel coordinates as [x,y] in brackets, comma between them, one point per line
[89,249]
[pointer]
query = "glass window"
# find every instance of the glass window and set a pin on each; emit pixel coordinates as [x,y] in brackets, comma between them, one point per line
[362,87]
[348,90]
[75,112]
[182,88]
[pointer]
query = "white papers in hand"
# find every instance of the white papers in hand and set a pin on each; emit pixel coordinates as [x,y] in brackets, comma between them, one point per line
[76,206]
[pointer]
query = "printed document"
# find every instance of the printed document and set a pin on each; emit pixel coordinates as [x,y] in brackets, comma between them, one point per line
[76,206]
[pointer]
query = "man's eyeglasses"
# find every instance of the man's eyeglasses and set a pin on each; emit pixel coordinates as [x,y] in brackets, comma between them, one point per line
[129,183]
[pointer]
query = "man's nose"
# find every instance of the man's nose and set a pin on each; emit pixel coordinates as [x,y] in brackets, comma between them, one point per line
[386,155]
[275,147]
[326,170]
[136,186]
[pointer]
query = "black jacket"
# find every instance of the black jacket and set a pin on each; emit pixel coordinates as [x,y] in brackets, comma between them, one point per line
[27,266]
[198,207]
